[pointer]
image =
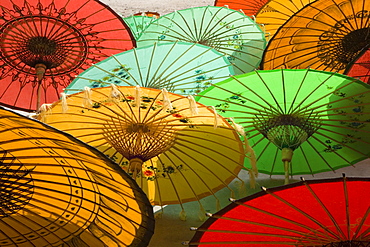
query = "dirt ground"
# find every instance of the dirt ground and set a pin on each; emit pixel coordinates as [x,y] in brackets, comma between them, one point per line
[130,7]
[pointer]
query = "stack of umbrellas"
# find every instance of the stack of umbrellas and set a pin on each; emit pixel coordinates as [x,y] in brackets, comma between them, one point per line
[180,109]
[295,124]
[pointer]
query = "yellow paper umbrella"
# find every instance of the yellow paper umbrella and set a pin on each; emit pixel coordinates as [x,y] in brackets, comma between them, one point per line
[57,191]
[176,149]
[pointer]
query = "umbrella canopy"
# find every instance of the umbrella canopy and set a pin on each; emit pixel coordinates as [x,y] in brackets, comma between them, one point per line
[58,191]
[321,117]
[177,150]
[44,43]
[271,13]
[275,13]
[180,67]
[325,35]
[361,67]
[138,23]
[247,6]
[325,212]
[228,31]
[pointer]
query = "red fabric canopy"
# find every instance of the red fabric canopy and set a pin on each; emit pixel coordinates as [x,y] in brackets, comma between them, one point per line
[361,68]
[45,43]
[249,7]
[327,212]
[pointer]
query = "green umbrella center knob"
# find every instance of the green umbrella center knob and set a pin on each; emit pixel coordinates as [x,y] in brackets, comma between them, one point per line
[287,130]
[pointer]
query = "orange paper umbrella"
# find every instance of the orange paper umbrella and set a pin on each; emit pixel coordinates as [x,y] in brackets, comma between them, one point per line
[177,150]
[271,13]
[57,191]
[45,43]
[324,35]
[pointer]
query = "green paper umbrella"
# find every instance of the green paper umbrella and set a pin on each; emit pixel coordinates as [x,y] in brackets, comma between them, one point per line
[138,23]
[228,31]
[321,117]
[180,67]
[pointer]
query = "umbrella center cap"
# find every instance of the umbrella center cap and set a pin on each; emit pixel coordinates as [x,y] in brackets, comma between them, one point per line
[138,127]
[287,130]
[348,243]
[42,46]
[353,43]
[338,54]
[139,140]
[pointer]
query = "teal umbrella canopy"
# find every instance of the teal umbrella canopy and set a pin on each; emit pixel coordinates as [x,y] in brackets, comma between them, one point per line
[180,67]
[297,121]
[138,23]
[229,31]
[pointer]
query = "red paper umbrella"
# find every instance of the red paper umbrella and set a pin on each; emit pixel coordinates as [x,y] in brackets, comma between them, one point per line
[360,68]
[44,43]
[249,7]
[327,212]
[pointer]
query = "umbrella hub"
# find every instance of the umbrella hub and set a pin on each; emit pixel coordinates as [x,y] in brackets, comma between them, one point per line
[287,130]
[42,46]
[137,139]
[42,50]
[346,49]
[16,187]
[349,243]
[138,127]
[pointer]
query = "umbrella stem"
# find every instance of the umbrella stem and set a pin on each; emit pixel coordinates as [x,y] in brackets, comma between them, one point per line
[40,71]
[287,154]
[135,166]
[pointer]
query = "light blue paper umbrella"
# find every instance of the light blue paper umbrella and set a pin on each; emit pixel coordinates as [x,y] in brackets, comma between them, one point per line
[180,67]
[228,31]
[138,23]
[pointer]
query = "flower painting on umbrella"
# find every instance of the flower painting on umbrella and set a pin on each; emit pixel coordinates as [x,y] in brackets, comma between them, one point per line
[46,43]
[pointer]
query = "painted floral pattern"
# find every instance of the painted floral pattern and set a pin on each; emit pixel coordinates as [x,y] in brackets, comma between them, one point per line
[116,76]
